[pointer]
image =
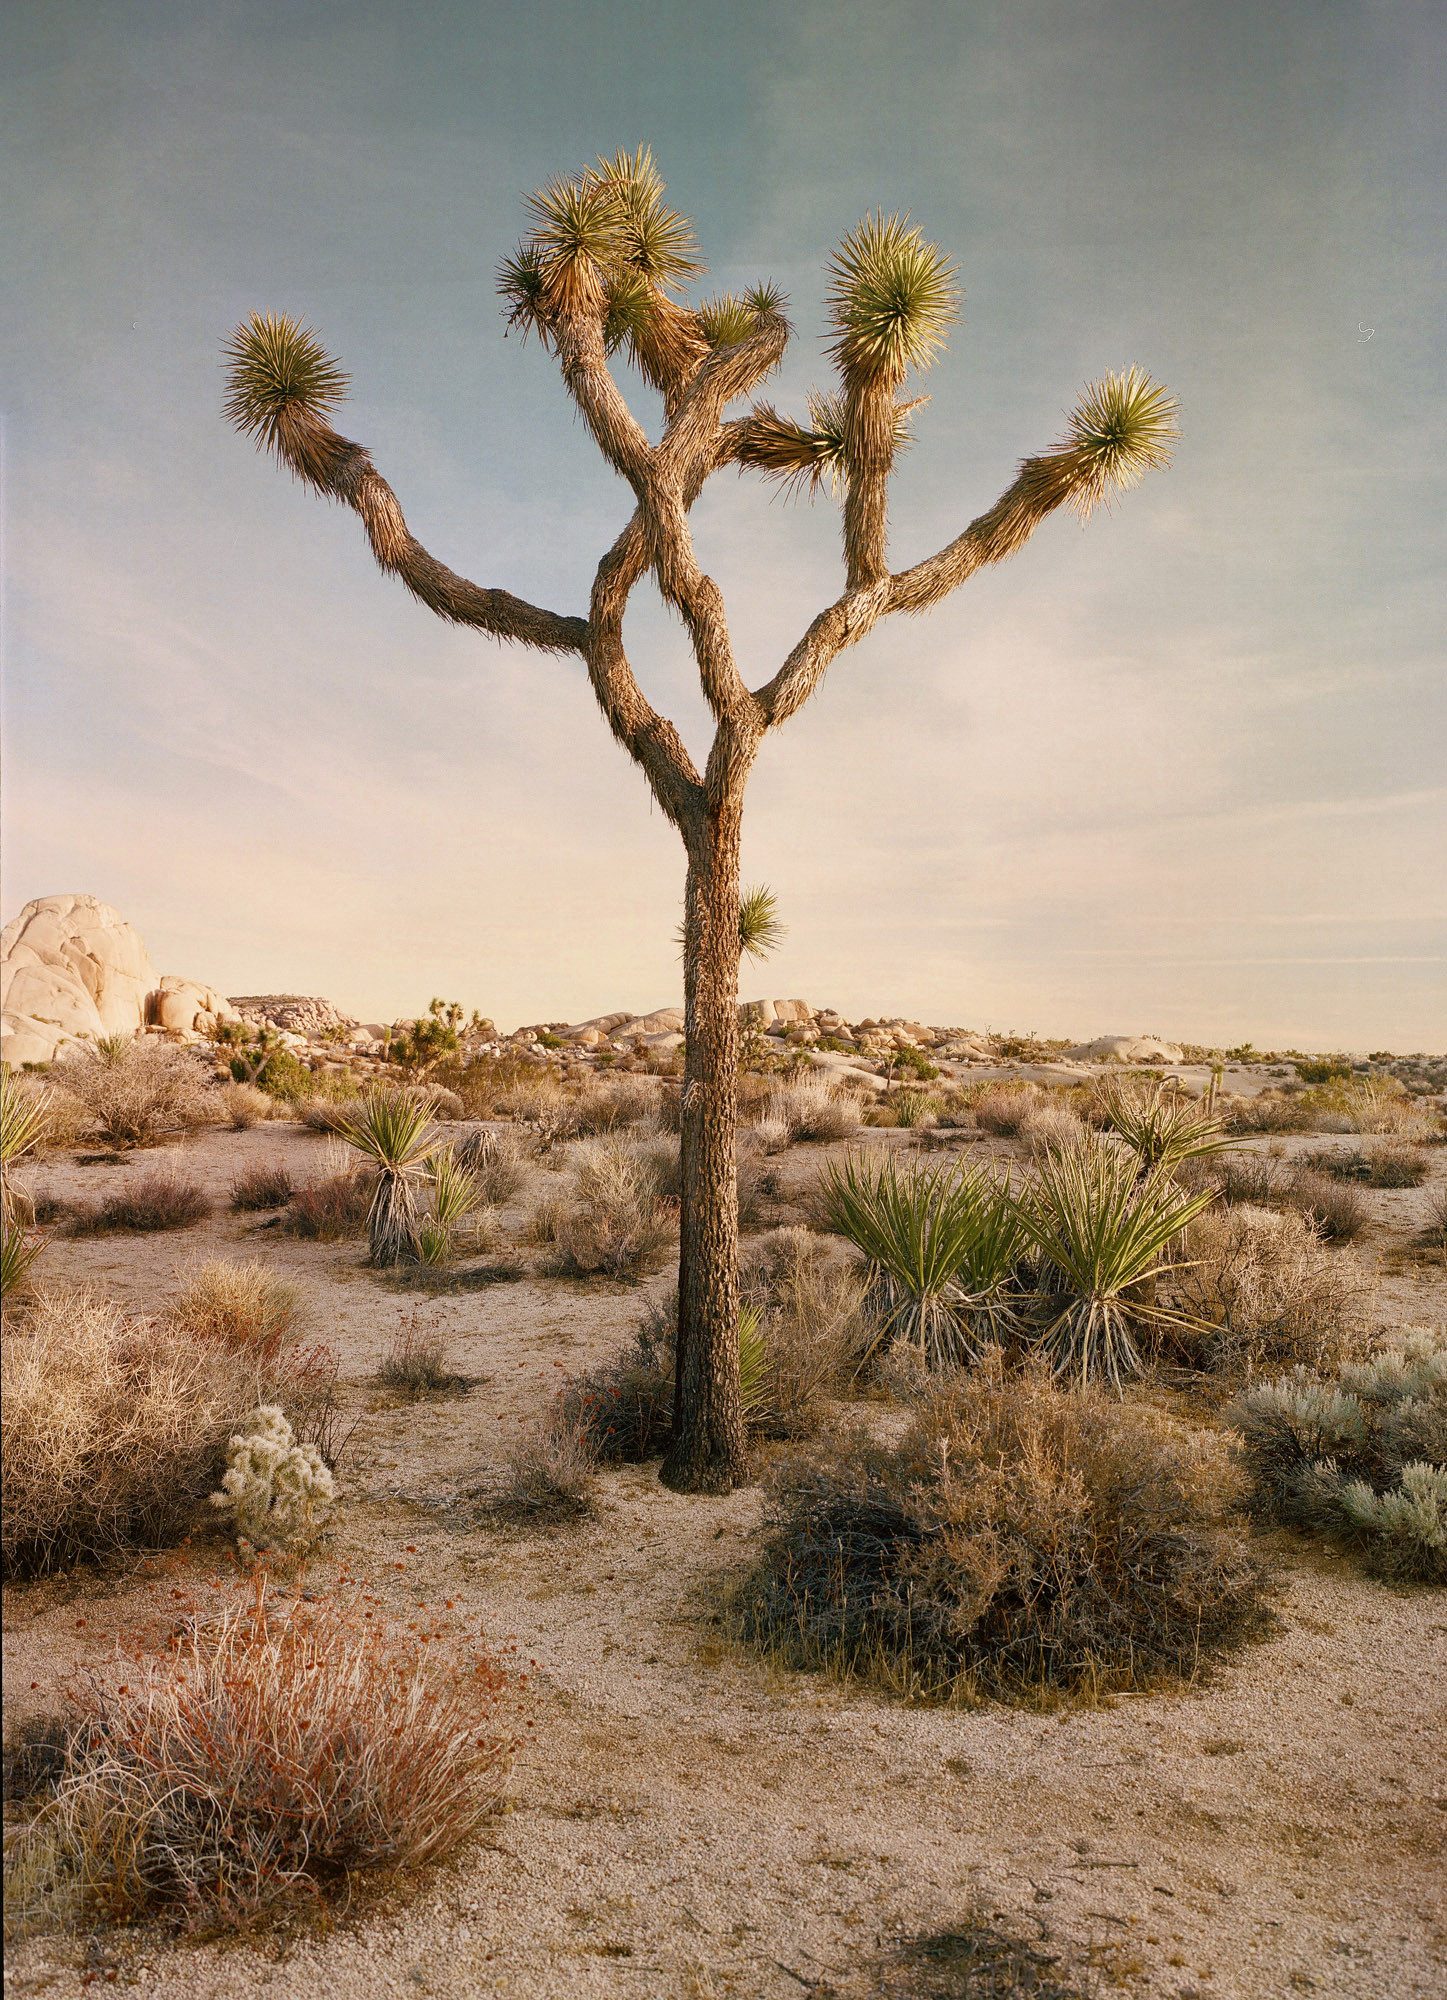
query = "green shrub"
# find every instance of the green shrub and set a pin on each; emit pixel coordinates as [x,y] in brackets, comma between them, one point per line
[1019,1542]
[1361,1456]
[1394,1163]
[393,1133]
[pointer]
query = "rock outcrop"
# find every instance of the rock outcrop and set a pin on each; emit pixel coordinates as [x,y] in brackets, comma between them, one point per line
[1125,1049]
[73,969]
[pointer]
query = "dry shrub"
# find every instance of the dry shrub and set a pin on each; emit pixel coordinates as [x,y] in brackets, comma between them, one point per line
[274,1754]
[324,1114]
[269,1186]
[243,1105]
[623,1409]
[1002,1109]
[499,1162]
[1434,1226]
[810,1297]
[113,1429]
[243,1307]
[1394,1163]
[1257,1180]
[614,1218]
[332,1207]
[1046,1126]
[532,1096]
[133,1091]
[815,1107]
[1266,1292]
[1336,1210]
[1018,1542]
[549,1472]
[415,1360]
[616,1102]
[152,1201]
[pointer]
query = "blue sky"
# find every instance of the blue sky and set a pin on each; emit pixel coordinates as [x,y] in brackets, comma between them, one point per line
[1180,770]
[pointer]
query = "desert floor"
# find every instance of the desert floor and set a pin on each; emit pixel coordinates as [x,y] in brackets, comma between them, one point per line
[685,1820]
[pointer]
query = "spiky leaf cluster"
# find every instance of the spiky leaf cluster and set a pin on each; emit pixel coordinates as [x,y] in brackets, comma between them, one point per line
[761,929]
[281,381]
[1123,427]
[803,456]
[892,297]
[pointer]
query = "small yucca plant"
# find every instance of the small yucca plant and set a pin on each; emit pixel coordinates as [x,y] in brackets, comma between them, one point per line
[941,1245]
[395,1136]
[1164,1127]
[1103,1235]
[18,1251]
[760,930]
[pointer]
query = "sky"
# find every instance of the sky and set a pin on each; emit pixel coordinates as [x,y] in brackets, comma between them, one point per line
[1178,771]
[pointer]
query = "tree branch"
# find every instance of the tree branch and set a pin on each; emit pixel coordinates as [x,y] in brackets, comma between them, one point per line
[1041,486]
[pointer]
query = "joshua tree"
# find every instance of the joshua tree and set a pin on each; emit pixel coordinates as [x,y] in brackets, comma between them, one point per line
[600,273]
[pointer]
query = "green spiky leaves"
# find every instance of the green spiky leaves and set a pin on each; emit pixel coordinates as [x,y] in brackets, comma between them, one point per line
[760,929]
[804,456]
[892,298]
[1123,427]
[281,381]
[653,239]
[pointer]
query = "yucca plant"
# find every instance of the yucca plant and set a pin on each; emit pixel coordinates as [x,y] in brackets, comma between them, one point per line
[395,1136]
[753,1362]
[1103,1234]
[602,271]
[456,1194]
[760,929]
[23,1119]
[942,1248]
[1164,1127]
[18,1251]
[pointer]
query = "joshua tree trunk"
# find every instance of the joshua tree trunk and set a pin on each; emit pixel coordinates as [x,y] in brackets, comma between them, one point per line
[599,273]
[707,1455]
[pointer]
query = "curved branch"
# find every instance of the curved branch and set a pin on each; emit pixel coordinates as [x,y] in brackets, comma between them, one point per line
[845,623]
[649,738]
[1041,486]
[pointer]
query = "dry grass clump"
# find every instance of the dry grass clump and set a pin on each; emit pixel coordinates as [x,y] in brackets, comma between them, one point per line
[814,1108]
[1336,1210]
[135,1090]
[416,1361]
[813,1327]
[1361,1455]
[323,1114]
[1261,1290]
[613,1217]
[1002,1109]
[332,1207]
[113,1430]
[1018,1542]
[243,1307]
[1256,1180]
[549,1473]
[498,1161]
[151,1201]
[243,1105]
[1393,1163]
[973,1960]
[262,1187]
[1434,1228]
[1050,1126]
[273,1754]
[1380,1104]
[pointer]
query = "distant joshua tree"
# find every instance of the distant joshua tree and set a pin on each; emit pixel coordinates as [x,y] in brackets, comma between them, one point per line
[599,273]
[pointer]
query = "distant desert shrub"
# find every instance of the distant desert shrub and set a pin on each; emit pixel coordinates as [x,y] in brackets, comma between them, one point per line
[148,1202]
[1434,1227]
[243,1105]
[331,1207]
[907,1110]
[263,1187]
[1050,1125]
[613,1218]
[1257,1180]
[1361,1455]
[323,1114]
[615,1102]
[1001,1109]
[1393,1163]
[113,1430]
[815,1108]
[1261,1290]
[135,1090]
[272,1755]
[243,1307]
[1379,1104]
[1335,1209]
[498,1160]
[1019,1542]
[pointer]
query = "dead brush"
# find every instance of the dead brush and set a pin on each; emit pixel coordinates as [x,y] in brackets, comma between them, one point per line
[549,1472]
[243,1307]
[613,1219]
[814,1108]
[150,1202]
[1260,1289]
[135,1089]
[498,1161]
[1003,1109]
[415,1362]
[263,1187]
[275,1754]
[1020,1542]
[243,1105]
[330,1208]
[113,1429]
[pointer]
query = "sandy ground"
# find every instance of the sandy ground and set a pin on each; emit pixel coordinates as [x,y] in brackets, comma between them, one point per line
[685,1821]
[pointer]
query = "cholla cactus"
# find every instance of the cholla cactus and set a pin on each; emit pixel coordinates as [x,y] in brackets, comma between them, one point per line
[277,1492]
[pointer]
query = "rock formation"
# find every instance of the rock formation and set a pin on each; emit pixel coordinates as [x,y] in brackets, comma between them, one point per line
[72,969]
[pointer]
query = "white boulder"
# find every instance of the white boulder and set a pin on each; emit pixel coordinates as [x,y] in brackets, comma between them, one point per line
[1125,1049]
